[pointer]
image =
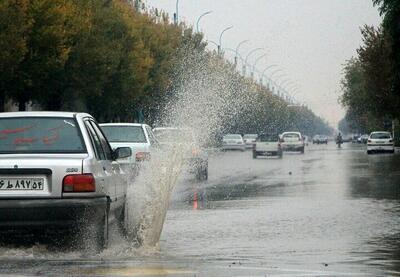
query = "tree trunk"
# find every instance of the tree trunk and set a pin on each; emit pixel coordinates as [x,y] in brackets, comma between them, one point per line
[21,105]
[2,101]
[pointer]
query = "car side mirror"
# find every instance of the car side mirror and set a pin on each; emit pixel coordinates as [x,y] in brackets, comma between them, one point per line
[122,152]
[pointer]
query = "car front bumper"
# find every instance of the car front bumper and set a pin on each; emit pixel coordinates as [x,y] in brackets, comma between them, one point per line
[59,213]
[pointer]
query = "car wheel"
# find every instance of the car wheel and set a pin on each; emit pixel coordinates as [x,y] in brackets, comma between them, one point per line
[369,152]
[392,151]
[254,155]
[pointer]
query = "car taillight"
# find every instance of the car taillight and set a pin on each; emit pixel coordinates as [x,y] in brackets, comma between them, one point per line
[142,156]
[79,183]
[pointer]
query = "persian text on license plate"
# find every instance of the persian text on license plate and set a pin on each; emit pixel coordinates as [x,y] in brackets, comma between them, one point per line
[21,184]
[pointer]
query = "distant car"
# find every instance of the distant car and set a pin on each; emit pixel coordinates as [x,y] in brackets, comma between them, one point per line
[320,139]
[267,145]
[354,138]
[196,157]
[363,139]
[233,142]
[292,141]
[58,171]
[138,137]
[380,142]
[250,139]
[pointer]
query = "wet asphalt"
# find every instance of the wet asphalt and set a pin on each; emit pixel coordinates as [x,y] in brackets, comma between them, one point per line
[329,212]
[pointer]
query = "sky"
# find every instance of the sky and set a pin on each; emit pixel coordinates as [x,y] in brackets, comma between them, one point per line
[309,40]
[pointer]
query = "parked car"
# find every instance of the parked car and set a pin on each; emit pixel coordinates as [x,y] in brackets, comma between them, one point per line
[58,171]
[380,142]
[267,145]
[292,141]
[354,138]
[196,156]
[138,137]
[233,142]
[250,139]
[320,139]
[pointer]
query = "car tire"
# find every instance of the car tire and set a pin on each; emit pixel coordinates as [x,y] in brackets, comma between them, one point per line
[392,151]
[254,155]
[369,152]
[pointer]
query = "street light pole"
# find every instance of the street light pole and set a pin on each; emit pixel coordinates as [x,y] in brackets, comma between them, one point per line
[255,63]
[176,16]
[220,38]
[247,57]
[200,17]
[237,49]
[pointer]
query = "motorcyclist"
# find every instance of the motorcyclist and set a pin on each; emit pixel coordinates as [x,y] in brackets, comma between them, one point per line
[339,140]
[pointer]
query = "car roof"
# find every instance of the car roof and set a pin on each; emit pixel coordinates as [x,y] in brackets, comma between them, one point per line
[123,124]
[297,133]
[43,114]
[379,132]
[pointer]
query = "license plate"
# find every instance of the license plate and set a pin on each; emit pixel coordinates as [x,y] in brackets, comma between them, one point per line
[21,184]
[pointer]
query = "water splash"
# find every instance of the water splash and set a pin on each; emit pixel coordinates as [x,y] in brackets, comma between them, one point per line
[206,99]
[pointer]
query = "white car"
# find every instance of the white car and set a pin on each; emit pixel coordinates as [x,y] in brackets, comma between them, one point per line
[250,139]
[58,172]
[267,145]
[380,142]
[292,141]
[196,156]
[233,142]
[138,137]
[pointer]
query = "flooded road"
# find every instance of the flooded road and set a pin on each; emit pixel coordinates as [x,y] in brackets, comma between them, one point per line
[328,212]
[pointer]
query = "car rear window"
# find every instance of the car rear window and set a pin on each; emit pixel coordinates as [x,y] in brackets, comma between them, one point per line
[250,136]
[291,136]
[232,137]
[40,135]
[124,134]
[380,136]
[268,138]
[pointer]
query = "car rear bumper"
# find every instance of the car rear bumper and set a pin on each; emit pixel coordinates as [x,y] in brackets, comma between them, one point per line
[381,147]
[233,147]
[292,147]
[268,153]
[60,213]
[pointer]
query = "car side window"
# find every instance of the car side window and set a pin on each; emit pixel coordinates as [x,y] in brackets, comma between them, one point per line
[100,155]
[103,141]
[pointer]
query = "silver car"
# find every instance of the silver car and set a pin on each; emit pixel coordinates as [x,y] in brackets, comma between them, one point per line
[233,142]
[58,171]
[138,137]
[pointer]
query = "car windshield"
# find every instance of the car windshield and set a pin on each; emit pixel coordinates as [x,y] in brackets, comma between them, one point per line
[232,137]
[268,138]
[380,136]
[40,135]
[124,133]
[250,136]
